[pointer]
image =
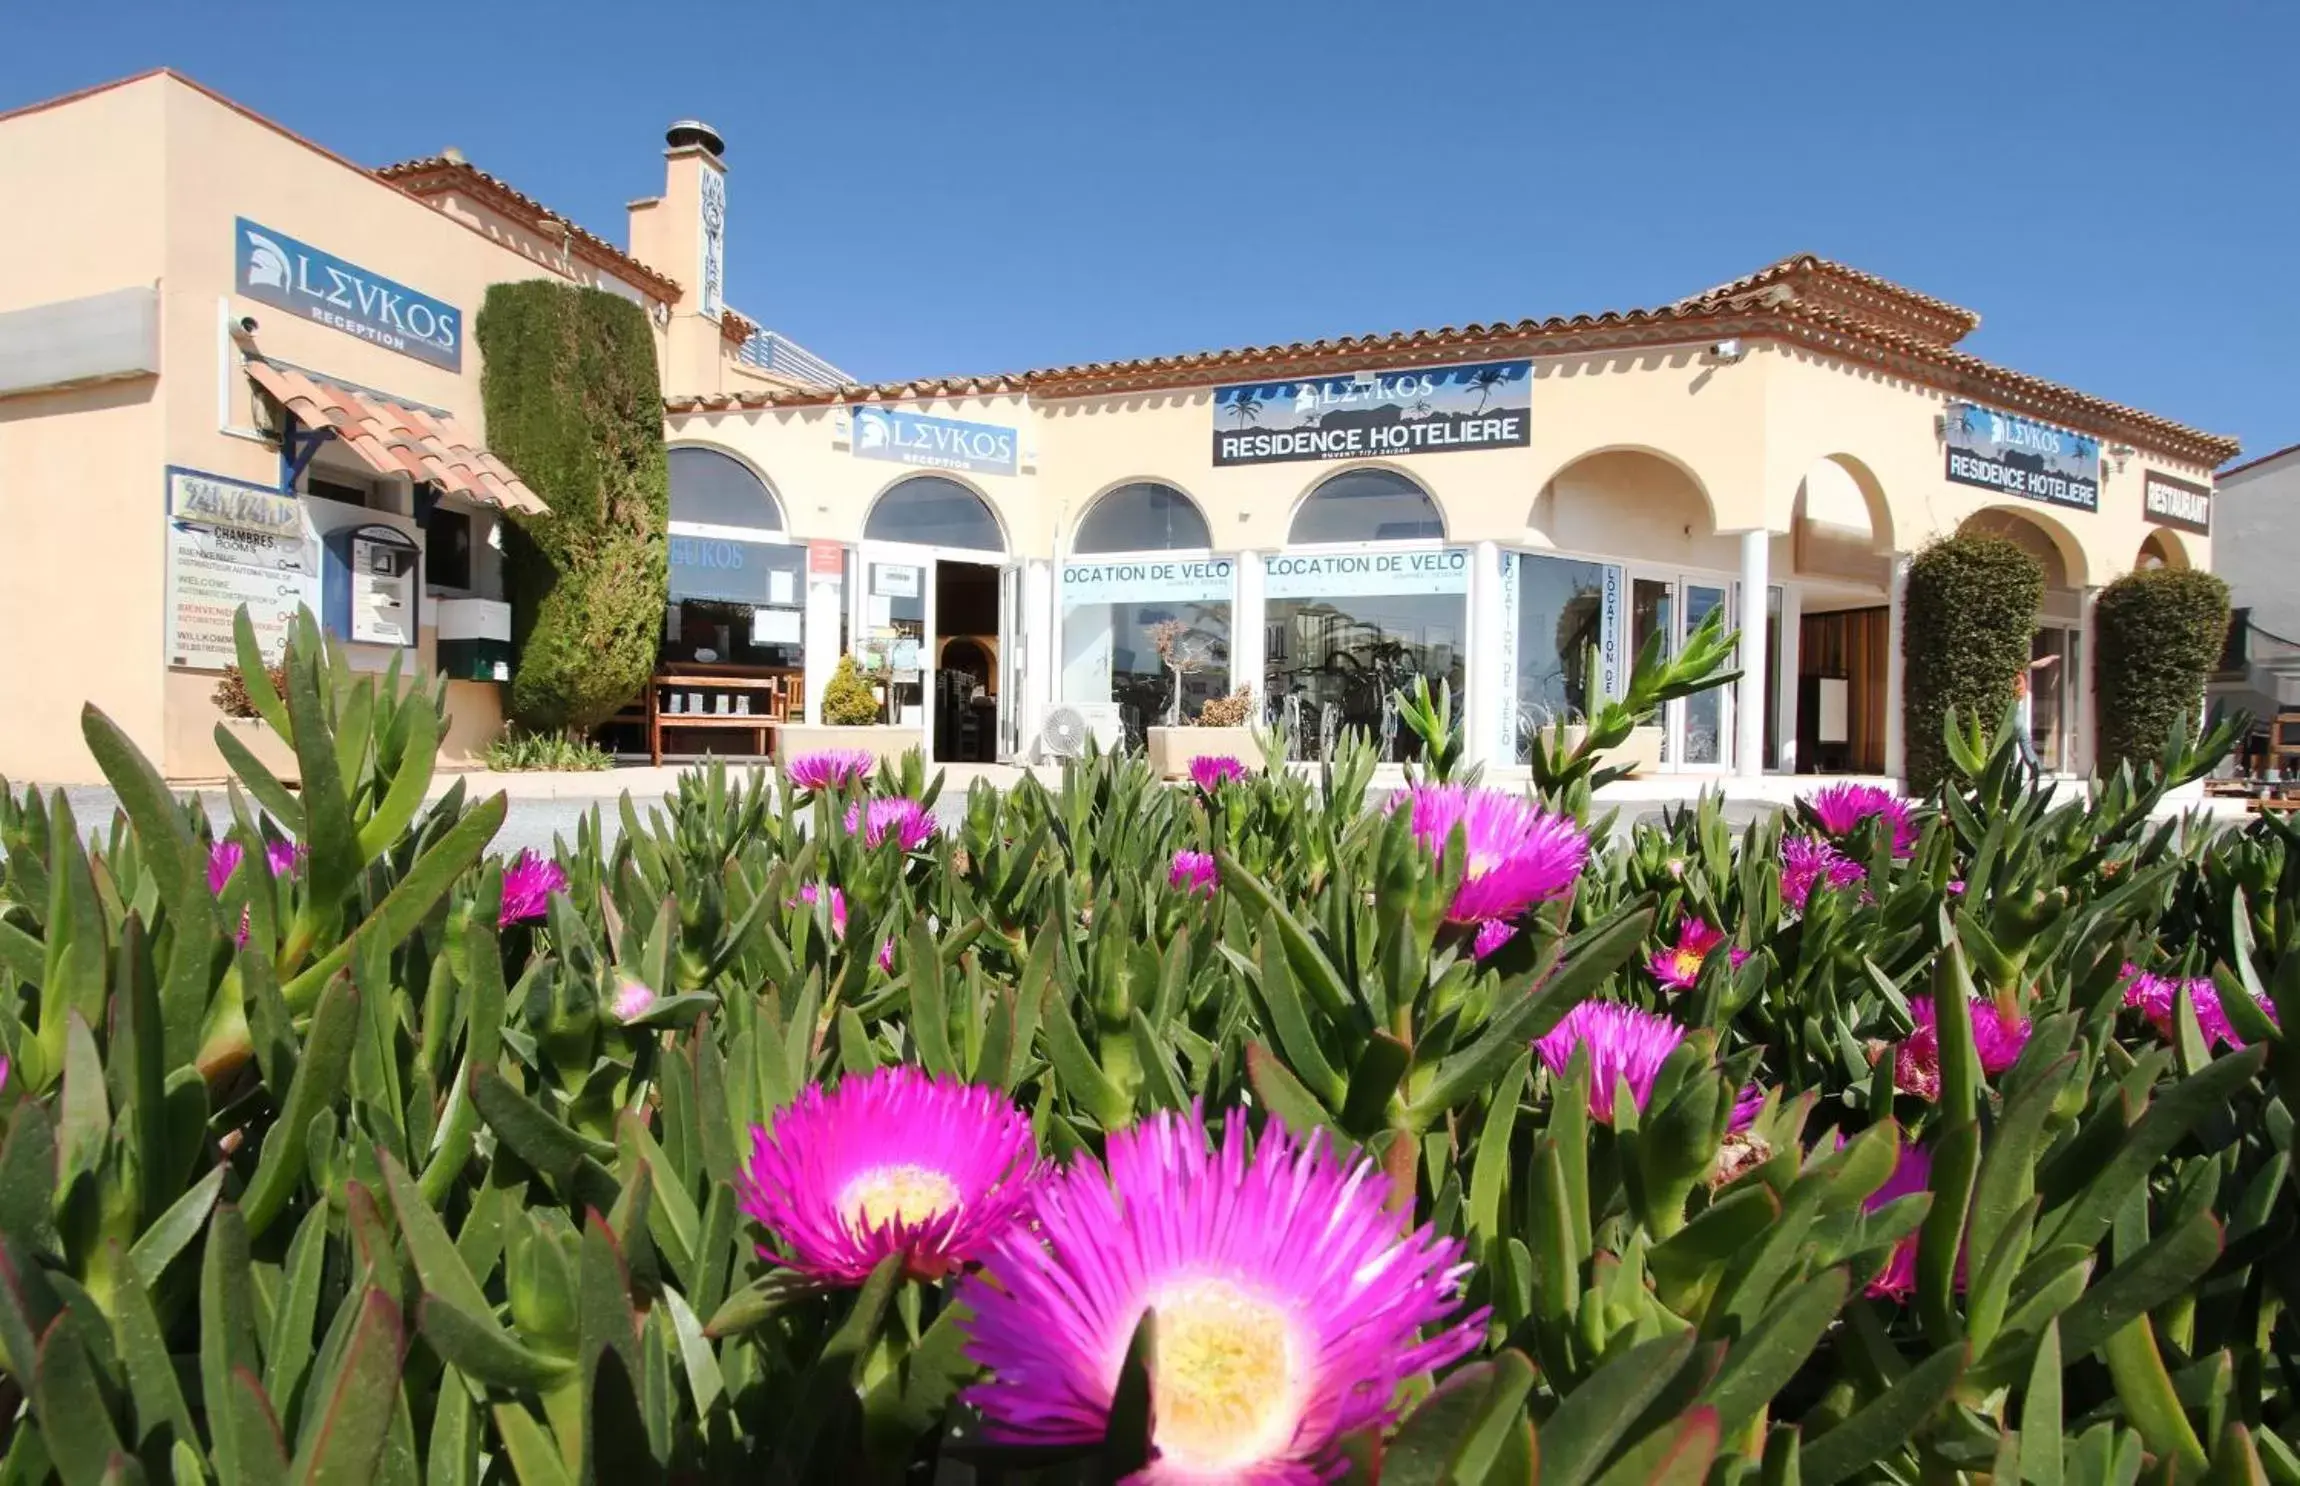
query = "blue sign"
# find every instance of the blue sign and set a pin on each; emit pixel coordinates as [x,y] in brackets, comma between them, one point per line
[1430,411]
[934,443]
[278,269]
[761,574]
[2020,456]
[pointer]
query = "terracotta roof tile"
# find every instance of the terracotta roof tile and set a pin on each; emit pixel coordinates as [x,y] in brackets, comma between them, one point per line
[1806,300]
[397,438]
[434,174]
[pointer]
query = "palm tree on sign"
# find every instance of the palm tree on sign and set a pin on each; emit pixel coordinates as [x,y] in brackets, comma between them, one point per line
[1246,407]
[1487,380]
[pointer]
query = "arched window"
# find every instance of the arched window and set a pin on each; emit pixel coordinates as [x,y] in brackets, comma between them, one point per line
[712,489]
[1371,505]
[1142,517]
[930,511]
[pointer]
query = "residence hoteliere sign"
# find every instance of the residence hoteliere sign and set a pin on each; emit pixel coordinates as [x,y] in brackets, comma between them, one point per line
[275,268]
[1432,410]
[2170,502]
[2020,456]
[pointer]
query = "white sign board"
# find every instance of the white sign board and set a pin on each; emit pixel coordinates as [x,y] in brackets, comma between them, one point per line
[1439,570]
[229,544]
[894,580]
[1200,580]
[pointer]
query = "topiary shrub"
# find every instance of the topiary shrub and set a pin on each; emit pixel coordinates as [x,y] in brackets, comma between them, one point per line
[2160,634]
[574,404]
[1970,620]
[849,701]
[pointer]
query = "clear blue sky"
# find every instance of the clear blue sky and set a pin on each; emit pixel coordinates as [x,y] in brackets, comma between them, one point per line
[921,189]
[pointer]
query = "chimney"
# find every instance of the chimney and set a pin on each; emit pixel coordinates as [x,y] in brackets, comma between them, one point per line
[683,233]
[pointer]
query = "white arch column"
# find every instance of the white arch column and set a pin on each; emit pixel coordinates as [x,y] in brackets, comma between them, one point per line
[1896,670]
[1489,676]
[1247,609]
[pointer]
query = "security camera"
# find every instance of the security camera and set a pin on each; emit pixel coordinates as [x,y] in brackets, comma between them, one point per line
[1728,349]
[247,325]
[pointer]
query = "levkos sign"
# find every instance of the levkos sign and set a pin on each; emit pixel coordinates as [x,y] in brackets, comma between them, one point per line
[934,443]
[270,266]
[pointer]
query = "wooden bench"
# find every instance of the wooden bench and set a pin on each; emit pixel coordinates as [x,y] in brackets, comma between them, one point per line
[774,691]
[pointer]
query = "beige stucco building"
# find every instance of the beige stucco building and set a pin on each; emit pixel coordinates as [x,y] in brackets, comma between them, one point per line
[1512,508]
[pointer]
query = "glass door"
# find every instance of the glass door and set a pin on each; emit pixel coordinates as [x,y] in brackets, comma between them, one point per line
[1705,718]
[1010,662]
[894,616]
[1696,731]
[2052,683]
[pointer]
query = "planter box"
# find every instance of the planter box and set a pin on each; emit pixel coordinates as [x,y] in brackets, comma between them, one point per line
[1171,749]
[270,749]
[880,741]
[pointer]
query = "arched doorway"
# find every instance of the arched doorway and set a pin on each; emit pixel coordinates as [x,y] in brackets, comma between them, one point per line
[1840,588]
[1623,551]
[1365,597]
[2054,708]
[2160,549]
[936,586]
[1146,609]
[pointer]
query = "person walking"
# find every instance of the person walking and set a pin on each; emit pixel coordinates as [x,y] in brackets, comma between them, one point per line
[2024,683]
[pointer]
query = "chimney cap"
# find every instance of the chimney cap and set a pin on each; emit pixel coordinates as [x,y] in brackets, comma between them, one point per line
[694,131]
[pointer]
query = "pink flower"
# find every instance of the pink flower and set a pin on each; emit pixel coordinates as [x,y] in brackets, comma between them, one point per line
[1625,1044]
[830,769]
[1911,1174]
[2154,997]
[1841,808]
[1211,771]
[1193,872]
[633,999]
[1956,887]
[1680,966]
[889,1162]
[886,954]
[1999,1034]
[1806,863]
[810,895]
[281,859]
[528,883]
[904,819]
[1290,1307]
[1491,935]
[1746,1104]
[1518,853]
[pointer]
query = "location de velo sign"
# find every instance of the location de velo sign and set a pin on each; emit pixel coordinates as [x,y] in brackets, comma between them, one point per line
[1442,409]
[1199,580]
[934,443]
[2020,456]
[270,266]
[1341,574]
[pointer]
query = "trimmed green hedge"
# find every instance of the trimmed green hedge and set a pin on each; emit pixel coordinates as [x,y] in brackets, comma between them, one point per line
[575,405]
[2160,635]
[1970,619]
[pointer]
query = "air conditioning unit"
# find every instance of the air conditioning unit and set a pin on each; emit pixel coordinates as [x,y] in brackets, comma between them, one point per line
[1067,726]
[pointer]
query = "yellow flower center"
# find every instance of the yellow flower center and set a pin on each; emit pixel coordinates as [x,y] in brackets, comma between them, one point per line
[1686,963]
[904,1194]
[1224,1390]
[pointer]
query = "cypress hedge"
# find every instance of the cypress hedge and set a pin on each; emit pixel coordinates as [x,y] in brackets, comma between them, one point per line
[2160,636]
[575,406]
[1970,618]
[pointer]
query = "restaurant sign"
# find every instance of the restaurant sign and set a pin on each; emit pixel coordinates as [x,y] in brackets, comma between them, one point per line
[2170,502]
[270,266]
[2019,456]
[934,443]
[1200,580]
[1433,410]
[230,544]
[1343,574]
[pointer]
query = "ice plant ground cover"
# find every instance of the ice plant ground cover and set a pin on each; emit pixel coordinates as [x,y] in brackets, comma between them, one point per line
[1119,1131]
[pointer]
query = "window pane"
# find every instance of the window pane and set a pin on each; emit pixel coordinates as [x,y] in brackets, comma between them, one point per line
[1367,506]
[1560,617]
[934,512]
[1110,654]
[1142,517]
[1338,663]
[447,548]
[711,489]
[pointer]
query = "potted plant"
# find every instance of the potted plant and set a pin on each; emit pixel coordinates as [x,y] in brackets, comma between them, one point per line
[852,719]
[1223,728]
[245,723]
